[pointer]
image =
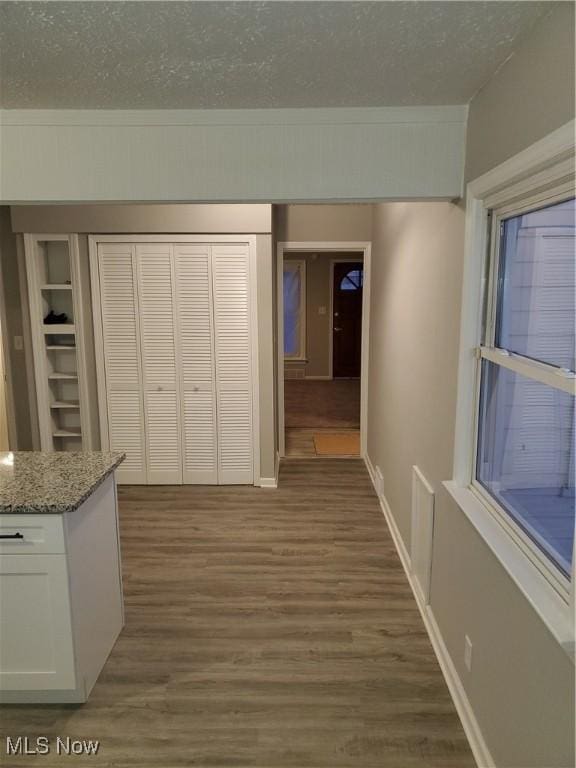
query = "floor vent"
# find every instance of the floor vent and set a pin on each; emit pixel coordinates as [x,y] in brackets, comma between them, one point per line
[422,533]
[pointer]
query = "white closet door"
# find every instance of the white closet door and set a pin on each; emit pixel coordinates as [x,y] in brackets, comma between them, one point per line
[231,301]
[121,337]
[161,397]
[196,354]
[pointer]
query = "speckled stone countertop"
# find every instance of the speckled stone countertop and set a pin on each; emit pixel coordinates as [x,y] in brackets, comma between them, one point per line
[50,483]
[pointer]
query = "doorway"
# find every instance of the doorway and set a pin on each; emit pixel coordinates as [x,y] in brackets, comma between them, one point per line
[323,318]
[4,440]
[347,288]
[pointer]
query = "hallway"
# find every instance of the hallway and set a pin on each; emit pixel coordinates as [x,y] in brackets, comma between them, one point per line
[263,628]
[319,407]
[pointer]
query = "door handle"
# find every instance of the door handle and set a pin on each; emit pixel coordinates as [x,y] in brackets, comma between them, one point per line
[17,535]
[337,329]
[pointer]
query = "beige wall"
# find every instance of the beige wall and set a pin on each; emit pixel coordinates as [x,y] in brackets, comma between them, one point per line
[15,359]
[521,686]
[530,96]
[338,222]
[521,683]
[113,219]
[414,322]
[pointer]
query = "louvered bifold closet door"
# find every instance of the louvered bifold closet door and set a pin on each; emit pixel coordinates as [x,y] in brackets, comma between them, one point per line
[231,301]
[161,396]
[121,341]
[197,370]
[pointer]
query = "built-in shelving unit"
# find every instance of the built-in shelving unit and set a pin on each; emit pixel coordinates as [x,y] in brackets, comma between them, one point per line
[57,315]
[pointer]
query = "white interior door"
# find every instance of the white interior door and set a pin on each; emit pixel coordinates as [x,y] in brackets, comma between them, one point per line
[232,336]
[197,371]
[161,394]
[121,342]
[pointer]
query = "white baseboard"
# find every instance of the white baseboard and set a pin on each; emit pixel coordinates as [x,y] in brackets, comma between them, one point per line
[272,482]
[461,702]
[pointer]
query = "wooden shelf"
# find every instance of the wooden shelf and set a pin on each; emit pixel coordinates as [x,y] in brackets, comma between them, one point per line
[60,328]
[56,376]
[69,404]
[56,287]
[67,433]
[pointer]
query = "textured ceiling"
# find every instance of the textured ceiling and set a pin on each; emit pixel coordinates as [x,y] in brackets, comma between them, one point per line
[206,55]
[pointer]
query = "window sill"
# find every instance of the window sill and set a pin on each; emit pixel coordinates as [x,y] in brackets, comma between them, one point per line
[549,606]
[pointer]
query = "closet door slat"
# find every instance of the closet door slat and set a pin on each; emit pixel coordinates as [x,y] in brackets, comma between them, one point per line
[196,353]
[161,397]
[120,337]
[232,334]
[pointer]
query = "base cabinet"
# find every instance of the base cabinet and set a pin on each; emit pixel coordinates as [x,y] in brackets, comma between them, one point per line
[61,606]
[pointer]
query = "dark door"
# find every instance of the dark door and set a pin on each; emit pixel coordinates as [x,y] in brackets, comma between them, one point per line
[347,319]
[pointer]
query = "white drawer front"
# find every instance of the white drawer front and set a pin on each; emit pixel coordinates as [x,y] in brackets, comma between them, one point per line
[31,534]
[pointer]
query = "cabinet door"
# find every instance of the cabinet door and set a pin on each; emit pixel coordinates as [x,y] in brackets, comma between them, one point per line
[121,341]
[161,396]
[232,335]
[196,355]
[36,647]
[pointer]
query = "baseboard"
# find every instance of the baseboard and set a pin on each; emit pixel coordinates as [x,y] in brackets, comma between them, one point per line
[272,482]
[317,378]
[471,727]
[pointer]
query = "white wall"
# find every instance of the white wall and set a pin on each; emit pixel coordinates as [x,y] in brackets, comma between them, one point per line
[530,96]
[222,156]
[521,683]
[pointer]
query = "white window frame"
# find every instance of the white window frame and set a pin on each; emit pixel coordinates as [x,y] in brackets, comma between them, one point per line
[299,265]
[538,176]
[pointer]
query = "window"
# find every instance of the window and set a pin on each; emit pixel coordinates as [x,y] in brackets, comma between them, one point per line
[526,433]
[352,281]
[294,309]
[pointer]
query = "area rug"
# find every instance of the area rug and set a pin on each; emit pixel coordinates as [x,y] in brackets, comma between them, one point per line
[337,443]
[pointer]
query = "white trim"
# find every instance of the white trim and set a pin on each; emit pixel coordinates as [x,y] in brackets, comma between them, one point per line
[213,117]
[536,173]
[538,592]
[364,247]
[254,353]
[331,310]
[533,369]
[300,267]
[272,482]
[5,339]
[28,347]
[98,342]
[456,689]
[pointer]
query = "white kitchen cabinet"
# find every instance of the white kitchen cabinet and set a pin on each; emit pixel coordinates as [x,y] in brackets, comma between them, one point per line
[37,650]
[175,325]
[61,606]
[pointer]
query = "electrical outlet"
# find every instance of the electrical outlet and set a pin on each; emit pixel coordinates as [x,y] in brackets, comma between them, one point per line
[468,652]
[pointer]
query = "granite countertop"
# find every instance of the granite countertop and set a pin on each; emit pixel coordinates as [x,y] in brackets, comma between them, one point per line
[42,482]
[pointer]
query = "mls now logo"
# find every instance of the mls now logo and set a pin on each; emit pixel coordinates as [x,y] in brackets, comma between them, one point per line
[22,745]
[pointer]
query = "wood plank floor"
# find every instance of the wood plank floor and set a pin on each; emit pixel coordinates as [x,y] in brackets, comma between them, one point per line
[311,403]
[300,441]
[265,628]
